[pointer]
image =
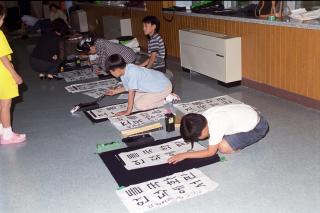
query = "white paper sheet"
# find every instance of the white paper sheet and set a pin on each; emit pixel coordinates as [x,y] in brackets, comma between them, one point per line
[202,105]
[78,75]
[163,191]
[96,93]
[123,96]
[137,120]
[107,112]
[156,155]
[102,84]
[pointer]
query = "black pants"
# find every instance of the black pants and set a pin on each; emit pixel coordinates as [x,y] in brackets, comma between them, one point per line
[43,66]
[44,25]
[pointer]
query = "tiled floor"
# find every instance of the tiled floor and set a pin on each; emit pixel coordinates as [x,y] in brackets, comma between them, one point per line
[56,171]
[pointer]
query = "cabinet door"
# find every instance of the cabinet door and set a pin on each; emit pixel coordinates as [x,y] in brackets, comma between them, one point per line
[204,61]
[202,41]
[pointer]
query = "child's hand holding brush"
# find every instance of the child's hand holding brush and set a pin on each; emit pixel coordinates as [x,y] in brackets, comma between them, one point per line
[115,90]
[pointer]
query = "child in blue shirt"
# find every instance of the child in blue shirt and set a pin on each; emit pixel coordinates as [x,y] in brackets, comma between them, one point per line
[147,88]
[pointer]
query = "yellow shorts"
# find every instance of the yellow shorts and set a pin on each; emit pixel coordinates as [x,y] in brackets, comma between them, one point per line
[8,86]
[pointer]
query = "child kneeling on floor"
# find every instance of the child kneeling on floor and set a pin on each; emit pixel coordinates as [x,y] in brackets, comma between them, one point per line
[147,88]
[229,128]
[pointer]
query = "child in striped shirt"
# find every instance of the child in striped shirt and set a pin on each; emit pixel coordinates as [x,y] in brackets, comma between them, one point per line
[156,48]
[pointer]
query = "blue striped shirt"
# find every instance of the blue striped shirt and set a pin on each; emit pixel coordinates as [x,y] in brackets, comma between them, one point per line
[156,45]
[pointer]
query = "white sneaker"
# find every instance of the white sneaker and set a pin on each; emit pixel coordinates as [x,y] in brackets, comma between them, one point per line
[172,98]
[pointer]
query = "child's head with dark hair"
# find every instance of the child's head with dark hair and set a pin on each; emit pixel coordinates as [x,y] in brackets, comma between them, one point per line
[116,64]
[2,14]
[151,25]
[87,45]
[192,127]
[54,8]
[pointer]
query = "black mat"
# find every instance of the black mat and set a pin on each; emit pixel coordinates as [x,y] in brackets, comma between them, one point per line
[126,177]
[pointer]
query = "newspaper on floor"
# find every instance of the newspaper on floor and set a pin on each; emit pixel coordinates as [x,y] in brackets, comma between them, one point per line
[102,84]
[138,119]
[167,190]
[200,106]
[156,155]
[107,111]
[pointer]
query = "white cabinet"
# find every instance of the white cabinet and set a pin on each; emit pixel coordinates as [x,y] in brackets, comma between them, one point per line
[114,27]
[79,21]
[211,54]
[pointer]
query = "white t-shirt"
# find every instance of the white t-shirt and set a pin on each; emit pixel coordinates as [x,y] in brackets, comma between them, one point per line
[58,14]
[229,119]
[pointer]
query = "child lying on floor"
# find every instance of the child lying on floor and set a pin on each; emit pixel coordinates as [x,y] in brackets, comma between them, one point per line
[147,88]
[229,128]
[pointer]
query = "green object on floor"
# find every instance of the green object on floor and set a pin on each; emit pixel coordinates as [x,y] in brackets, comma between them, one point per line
[121,187]
[104,147]
[223,159]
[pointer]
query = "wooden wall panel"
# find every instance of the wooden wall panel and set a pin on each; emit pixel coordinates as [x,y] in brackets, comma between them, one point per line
[282,57]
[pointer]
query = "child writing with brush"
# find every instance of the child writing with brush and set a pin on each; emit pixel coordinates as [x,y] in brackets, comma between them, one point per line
[9,81]
[147,88]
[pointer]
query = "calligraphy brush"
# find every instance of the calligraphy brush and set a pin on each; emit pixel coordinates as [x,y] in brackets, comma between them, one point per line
[90,105]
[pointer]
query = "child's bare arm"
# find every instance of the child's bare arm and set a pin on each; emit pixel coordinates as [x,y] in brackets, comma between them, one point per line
[152,59]
[130,104]
[115,91]
[7,63]
[212,150]
[130,101]
[145,63]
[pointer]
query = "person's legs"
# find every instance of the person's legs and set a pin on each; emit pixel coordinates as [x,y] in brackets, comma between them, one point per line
[225,148]
[6,118]
[45,26]
[1,126]
[53,69]
[5,113]
[35,27]
[39,65]
[8,137]
[243,139]
[45,67]
[146,101]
